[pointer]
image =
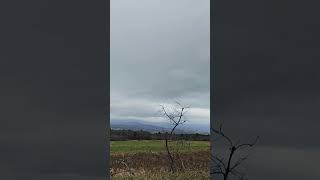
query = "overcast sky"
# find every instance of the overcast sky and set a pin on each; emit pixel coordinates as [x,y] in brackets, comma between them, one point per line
[159,53]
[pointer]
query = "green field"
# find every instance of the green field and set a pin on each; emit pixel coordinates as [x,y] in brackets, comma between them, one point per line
[134,146]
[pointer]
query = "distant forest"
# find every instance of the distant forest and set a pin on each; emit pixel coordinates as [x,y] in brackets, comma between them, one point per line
[122,135]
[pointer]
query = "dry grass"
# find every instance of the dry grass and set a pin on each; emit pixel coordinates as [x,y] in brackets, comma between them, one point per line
[163,175]
[154,165]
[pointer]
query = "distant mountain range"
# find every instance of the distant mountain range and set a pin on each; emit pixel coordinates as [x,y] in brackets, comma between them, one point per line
[157,127]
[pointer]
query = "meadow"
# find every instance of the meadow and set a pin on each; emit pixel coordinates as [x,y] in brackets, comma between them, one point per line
[134,146]
[147,159]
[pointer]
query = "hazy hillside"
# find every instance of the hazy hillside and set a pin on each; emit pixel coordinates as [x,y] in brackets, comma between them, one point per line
[156,127]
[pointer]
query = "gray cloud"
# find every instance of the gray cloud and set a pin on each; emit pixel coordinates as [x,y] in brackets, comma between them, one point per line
[159,53]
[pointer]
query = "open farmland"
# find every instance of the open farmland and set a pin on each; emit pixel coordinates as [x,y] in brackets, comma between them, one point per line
[147,159]
[134,146]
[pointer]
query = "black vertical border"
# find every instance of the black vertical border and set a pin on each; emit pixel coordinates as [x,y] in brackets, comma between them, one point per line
[108,87]
[54,66]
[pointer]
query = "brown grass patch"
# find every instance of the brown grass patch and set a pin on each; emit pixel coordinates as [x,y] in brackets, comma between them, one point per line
[144,165]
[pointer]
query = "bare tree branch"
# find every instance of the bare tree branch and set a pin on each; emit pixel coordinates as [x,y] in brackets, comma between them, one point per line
[226,168]
[248,144]
[175,117]
[220,162]
[219,132]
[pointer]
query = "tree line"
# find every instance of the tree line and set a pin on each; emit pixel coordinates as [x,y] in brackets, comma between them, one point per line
[122,135]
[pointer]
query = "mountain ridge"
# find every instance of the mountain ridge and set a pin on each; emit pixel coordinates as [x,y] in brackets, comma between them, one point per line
[156,127]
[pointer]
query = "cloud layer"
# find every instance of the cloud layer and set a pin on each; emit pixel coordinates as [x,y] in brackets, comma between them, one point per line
[159,53]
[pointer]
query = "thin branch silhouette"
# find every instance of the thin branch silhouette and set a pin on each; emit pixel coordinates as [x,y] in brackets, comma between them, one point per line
[228,167]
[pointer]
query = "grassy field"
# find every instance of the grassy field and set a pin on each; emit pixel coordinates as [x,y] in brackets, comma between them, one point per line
[135,146]
[147,159]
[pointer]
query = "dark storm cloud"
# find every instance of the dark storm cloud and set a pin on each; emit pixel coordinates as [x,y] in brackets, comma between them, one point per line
[53,74]
[266,82]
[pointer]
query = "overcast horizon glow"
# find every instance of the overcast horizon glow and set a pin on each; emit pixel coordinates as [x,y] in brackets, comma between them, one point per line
[159,52]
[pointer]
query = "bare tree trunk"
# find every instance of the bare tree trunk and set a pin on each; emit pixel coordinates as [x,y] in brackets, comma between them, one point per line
[170,156]
[176,119]
[229,162]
